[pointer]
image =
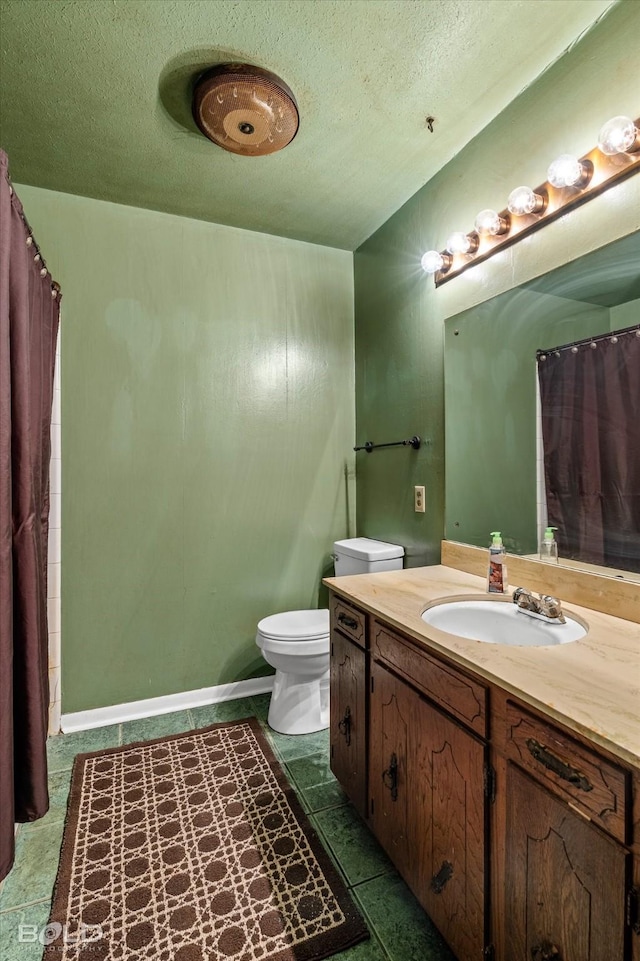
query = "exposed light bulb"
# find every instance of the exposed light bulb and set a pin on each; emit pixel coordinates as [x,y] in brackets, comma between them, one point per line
[432,262]
[567,171]
[490,222]
[619,135]
[523,200]
[461,243]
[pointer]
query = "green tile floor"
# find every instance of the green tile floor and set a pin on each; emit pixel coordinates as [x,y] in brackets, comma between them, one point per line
[400,931]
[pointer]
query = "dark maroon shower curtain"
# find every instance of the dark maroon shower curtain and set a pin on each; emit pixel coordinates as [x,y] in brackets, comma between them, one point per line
[590,398]
[29,313]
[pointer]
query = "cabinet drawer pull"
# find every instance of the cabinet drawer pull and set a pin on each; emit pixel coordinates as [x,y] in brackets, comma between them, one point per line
[390,777]
[348,621]
[545,951]
[558,767]
[344,726]
[439,880]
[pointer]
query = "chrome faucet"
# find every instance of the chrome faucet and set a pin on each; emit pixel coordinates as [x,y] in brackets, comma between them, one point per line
[545,607]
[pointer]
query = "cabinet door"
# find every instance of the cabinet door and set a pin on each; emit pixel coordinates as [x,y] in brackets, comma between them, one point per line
[347,718]
[565,880]
[391,716]
[426,784]
[451,841]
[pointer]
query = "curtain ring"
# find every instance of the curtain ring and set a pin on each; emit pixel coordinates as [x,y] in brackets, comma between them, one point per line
[29,240]
[43,272]
[54,292]
[37,258]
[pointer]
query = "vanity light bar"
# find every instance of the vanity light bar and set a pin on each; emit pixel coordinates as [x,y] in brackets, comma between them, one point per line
[571,181]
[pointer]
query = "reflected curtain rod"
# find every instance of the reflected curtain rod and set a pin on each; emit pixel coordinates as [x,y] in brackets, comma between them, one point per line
[412,442]
[612,335]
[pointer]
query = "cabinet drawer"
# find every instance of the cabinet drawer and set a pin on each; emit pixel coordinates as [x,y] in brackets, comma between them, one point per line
[348,620]
[594,786]
[466,699]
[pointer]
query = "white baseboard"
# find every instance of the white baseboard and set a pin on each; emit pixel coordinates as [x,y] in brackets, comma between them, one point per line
[117,713]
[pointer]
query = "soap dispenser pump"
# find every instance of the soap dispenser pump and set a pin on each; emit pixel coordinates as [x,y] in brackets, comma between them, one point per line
[549,546]
[497,575]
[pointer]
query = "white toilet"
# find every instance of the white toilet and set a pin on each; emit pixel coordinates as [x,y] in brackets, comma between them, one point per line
[296,643]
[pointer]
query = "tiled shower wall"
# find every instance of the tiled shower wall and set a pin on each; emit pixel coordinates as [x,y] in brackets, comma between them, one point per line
[54,559]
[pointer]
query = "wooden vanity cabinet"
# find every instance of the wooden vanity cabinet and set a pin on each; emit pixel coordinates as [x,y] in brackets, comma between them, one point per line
[348,672]
[520,838]
[633,897]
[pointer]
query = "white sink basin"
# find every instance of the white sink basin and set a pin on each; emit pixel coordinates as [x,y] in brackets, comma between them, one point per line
[499,622]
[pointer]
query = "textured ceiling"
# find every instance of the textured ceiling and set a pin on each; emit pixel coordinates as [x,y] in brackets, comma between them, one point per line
[95,99]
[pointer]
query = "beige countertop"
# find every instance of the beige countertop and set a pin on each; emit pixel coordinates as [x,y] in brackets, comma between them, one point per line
[592,685]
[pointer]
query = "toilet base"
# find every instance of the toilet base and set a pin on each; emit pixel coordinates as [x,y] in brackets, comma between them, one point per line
[298,705]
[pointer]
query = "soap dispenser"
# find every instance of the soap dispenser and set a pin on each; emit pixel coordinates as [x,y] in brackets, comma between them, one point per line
[549,546]
[497,575]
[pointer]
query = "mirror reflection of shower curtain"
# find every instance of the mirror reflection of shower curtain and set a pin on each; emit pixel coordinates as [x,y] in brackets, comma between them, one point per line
[590,398]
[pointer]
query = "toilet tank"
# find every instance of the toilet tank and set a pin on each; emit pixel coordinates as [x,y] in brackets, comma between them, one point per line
[361,555]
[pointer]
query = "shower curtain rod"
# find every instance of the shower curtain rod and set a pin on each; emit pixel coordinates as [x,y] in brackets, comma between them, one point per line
[412,442]
[612,335]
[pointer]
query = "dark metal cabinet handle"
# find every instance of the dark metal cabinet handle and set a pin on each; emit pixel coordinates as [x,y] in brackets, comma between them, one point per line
[344,726]
[558,767]
[347,621]
[633,910]
[390,777]
[545,951]
[439,880]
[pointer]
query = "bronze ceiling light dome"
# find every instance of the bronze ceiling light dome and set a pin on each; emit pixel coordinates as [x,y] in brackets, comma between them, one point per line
[245,109]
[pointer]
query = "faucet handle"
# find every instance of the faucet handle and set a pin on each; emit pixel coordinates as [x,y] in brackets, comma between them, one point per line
[554,606]
[522,597]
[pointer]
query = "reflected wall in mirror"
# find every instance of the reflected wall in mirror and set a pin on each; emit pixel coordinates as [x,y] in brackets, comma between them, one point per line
[493,451]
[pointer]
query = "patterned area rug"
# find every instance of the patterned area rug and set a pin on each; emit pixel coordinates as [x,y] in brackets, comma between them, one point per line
[194,848]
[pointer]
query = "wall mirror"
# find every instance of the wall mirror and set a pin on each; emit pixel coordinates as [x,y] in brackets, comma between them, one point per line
[491,425]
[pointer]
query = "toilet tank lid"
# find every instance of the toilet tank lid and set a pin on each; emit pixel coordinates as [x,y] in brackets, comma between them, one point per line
[367,549]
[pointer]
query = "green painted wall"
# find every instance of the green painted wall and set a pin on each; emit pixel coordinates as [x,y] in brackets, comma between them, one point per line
[399,313]
[208,422]
[625,315]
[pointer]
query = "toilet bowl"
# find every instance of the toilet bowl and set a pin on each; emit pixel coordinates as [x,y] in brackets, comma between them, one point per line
[296,644]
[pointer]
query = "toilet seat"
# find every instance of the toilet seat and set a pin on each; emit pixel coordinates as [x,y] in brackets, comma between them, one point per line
[298,626]
[295,632]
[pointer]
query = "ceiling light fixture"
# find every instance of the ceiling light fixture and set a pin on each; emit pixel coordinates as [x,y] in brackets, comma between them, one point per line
[571,181]
[245,109]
